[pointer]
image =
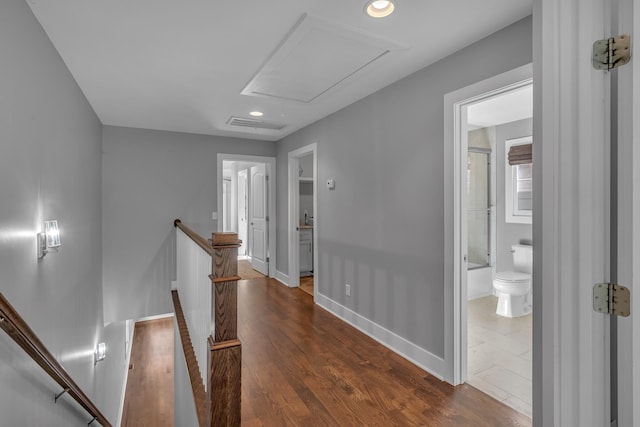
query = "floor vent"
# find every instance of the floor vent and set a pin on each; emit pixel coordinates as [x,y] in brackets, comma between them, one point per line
[253,123]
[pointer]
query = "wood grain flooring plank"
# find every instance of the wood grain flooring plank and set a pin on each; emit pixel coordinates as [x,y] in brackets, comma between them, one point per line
[303,366]
[149,395]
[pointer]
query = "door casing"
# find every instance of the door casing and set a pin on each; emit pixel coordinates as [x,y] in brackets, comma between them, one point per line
[455,238]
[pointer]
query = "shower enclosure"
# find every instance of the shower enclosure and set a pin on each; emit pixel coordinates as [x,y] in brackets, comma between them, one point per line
[479,208]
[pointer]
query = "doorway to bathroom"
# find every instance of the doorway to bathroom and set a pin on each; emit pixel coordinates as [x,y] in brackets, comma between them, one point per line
[491,341]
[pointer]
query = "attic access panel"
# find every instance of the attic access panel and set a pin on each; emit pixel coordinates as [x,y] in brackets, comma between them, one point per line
[314,57]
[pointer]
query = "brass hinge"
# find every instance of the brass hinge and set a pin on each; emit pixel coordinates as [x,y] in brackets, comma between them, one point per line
[612,52]
[613,299]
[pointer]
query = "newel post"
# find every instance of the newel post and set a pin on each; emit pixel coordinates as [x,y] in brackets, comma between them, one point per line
[225,351]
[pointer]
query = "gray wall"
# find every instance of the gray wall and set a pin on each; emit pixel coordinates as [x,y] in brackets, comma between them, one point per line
[508,234]
[50,168]
[381,229]
[149,178]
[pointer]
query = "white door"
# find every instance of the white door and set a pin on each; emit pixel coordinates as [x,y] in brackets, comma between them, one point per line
[571,222]
[258,223]
[243,211]
[626,162]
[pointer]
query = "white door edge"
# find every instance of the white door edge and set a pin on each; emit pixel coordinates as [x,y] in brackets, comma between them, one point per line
[628,349]
[571,221]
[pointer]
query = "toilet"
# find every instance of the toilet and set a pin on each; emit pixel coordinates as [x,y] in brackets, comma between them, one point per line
[513,288]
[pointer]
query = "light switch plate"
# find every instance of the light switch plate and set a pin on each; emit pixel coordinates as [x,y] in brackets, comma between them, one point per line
[214,216]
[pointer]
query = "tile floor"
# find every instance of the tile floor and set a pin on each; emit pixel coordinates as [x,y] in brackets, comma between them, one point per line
[499,357]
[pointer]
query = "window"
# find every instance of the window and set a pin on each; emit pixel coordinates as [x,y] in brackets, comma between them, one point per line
[518,186]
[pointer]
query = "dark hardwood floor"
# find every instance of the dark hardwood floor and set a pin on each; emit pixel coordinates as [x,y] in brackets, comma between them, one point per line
[149,392]
[301,366]
[306,284]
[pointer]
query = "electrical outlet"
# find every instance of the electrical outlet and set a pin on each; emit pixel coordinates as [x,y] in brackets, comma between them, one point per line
[214,216]
[347,289]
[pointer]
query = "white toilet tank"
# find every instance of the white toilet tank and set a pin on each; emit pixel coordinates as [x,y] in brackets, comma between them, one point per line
[522,258]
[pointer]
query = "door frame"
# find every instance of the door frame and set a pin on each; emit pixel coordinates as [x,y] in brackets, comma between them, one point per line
[455,236]
[294,215]
[270,164]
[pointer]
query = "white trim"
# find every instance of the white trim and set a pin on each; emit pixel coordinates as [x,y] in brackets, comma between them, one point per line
[293,205]
[571,163]
[629,219]
[455,143]
[394,342]
[270,163]
[154,317]
[283,278]
[126,369]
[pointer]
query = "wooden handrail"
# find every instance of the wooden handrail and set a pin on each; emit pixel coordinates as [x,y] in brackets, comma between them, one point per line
[15,326]
[199,240]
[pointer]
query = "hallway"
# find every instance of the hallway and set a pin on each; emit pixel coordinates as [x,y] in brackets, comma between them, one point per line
[302,366]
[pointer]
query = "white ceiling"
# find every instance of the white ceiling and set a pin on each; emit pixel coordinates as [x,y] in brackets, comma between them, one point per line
[505,108]
[184,65]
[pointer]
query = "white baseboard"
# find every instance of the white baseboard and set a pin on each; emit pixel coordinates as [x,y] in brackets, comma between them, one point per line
[416,355]
[282,278]
[154,317]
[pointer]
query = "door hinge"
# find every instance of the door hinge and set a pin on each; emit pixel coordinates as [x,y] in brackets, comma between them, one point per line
[609,298]
[267,218]
[267,259]
[612,52]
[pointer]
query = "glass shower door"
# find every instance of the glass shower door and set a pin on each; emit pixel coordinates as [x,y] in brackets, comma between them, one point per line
[479,207]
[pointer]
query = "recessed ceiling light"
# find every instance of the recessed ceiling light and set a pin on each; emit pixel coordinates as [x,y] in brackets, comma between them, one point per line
[379,8]
[256,113]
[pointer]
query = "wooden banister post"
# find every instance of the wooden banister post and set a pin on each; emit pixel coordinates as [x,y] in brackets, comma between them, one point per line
[225,351]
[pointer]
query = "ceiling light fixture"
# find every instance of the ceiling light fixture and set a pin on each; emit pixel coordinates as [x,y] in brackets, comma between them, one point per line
[379,8]
[256,113]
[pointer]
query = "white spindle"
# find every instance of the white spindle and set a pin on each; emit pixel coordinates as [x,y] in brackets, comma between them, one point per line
[194,288]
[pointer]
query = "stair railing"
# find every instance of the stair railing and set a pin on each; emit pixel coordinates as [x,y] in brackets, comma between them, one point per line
[16,327]
[224,350]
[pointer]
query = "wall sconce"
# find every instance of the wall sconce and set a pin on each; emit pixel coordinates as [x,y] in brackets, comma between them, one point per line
[101,352]
[48,239]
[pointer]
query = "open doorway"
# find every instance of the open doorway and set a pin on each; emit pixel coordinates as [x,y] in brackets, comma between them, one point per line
[488,243]
[246,206]
[499,246]
[303,224]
